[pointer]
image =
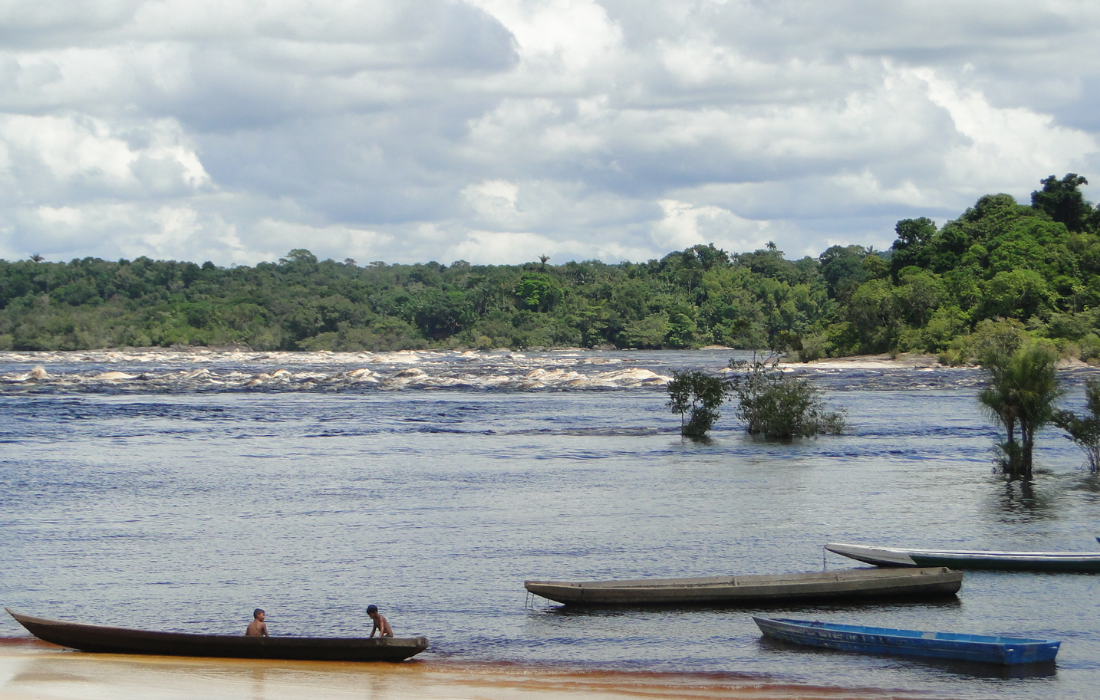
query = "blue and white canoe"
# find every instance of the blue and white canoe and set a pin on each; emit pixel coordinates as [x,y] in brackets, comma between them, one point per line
[883,640]
[1073,562]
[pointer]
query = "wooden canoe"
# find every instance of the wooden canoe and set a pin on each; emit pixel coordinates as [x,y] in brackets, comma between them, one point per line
[1079,562]
[883,640]
[119,640]
[773,588]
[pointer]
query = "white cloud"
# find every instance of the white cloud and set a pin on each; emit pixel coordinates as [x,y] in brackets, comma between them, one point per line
[498,130]
[493,200]
[1006,145]
[511,248]
[568,38]
[127,230]
[501,247]
[685,225]
[336,242]
[67,157]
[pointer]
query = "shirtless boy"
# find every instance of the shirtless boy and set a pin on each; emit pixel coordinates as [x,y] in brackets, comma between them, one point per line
[381,624]
[257,628]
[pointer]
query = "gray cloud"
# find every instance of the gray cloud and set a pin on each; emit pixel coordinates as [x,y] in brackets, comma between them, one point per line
[496,130]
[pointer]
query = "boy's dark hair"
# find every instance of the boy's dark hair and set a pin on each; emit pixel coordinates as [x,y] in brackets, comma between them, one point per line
[256,612]
[372,608]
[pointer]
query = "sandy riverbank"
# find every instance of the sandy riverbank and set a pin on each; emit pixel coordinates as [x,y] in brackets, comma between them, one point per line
[911,361]
[903,361]
[29,672]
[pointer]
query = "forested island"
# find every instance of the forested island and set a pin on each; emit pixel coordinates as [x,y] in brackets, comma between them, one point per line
[1033,267]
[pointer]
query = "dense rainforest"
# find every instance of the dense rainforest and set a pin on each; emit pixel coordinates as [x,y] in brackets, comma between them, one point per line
[1033,267]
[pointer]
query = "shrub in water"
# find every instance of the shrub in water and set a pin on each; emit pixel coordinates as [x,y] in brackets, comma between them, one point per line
[780,406]
[696,396]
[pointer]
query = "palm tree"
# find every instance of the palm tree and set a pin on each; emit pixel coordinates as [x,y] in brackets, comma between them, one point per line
[1021,393]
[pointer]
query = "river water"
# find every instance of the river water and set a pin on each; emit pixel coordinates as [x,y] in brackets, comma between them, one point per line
[179,490]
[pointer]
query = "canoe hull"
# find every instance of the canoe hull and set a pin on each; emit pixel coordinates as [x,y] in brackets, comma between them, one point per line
[1054,562]
[118,640]
[941,645]
[731,590]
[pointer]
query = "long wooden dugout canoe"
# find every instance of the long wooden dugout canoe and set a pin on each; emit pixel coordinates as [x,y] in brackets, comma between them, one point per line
[1073,562]
[884,640]
[120,640]
[772,588]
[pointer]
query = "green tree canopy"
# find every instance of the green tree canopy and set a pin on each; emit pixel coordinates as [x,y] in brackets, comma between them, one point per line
[1063,202]
[933,289]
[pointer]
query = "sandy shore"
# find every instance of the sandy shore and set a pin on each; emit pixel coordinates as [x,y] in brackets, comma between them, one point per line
[903,361]
[40,672]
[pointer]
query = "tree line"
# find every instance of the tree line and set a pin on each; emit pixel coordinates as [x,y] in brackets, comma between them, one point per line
[936,290]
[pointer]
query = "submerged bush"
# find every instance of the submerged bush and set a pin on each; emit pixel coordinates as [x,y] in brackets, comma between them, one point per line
[698,395]
[780,406]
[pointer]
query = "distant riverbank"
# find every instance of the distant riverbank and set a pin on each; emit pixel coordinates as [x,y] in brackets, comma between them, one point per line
[906,360]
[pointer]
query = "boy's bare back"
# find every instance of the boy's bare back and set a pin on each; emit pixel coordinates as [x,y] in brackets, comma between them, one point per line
[257,628]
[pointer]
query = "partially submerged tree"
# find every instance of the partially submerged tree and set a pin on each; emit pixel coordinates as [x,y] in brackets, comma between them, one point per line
[1085,432]
[780,406]
[1020,395]
[696,396]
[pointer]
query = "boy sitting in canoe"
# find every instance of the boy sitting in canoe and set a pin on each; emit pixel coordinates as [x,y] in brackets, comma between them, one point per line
[257,628]
[381,624]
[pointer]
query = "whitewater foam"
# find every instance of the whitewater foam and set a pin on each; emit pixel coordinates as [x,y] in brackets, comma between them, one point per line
[175,370]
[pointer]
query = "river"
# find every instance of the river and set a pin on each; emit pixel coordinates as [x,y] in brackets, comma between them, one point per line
[179,490]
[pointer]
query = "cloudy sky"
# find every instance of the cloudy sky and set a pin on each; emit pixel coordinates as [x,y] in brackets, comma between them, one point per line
[494,131]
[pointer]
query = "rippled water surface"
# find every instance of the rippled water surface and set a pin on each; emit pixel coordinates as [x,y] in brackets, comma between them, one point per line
[182,502]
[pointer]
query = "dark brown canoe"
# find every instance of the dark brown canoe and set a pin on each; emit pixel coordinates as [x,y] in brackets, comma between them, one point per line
[819,586]
[119,640]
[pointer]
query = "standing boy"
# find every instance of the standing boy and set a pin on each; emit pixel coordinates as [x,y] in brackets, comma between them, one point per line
[381,624]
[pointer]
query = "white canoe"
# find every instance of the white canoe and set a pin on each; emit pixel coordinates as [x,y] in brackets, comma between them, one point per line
[1081,562]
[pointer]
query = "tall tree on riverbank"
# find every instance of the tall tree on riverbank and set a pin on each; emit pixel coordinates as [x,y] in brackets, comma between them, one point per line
[1021,393]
